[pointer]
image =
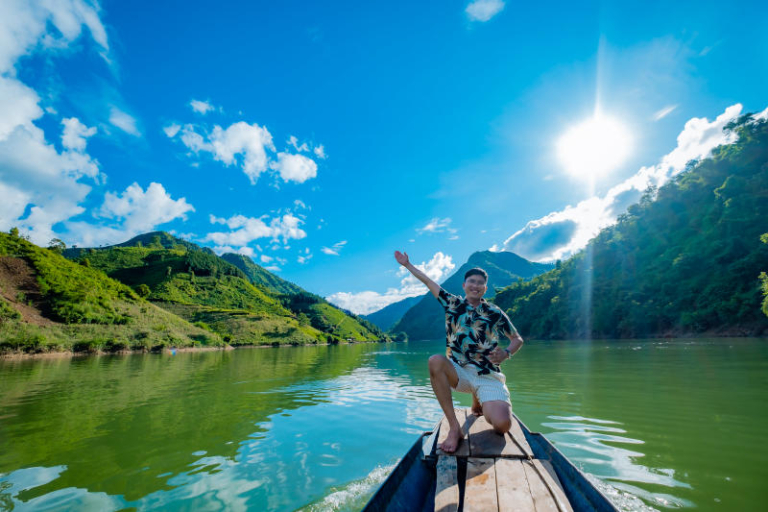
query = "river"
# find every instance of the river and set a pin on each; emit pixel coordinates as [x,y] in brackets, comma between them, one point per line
[657,424]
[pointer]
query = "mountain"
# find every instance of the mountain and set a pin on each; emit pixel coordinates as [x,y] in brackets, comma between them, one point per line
[389,315]
[686,260]
[259,275]
[426,320]
[48,303]
[242,302]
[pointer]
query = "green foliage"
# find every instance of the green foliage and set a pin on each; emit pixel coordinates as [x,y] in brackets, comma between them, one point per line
[14,232]
[7,312]
[143,291]
[685,262]
[764,279]
[56,245]
[74,294]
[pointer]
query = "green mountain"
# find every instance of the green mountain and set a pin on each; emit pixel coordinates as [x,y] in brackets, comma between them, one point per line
[426,319]
[242,302]
[389,315]
[258,275]
[48,303]
[685,260]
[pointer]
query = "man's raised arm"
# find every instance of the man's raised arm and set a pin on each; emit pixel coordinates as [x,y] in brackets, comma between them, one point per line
[402,258]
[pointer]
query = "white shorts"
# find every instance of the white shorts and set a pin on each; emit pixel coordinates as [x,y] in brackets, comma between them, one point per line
[491,386]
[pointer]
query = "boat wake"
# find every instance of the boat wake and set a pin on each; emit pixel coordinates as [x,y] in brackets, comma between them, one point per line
[353,495]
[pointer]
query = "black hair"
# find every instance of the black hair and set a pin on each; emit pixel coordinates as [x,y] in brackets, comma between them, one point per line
[477,271]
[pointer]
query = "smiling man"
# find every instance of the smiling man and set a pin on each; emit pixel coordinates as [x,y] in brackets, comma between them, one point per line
[473,329]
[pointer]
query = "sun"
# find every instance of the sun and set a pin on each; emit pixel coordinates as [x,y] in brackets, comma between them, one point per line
[594,147]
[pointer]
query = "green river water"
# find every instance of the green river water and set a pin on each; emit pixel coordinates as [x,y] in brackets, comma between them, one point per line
[658,424]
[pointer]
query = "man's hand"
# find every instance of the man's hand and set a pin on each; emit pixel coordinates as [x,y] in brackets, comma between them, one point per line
[498,355]
[402,258]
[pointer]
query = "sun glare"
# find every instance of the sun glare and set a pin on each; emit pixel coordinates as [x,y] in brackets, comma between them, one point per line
[595,147]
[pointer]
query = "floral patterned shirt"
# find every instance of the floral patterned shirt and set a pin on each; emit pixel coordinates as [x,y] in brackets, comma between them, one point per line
[473,332]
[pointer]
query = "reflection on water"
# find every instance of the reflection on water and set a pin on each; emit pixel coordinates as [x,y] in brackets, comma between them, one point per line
[319,428]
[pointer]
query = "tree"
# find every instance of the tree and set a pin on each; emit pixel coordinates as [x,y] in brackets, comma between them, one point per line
[764,279]
[56,245]
[14,232]
[143,291]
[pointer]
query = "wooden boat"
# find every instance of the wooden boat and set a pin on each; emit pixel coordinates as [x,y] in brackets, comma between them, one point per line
[520,471]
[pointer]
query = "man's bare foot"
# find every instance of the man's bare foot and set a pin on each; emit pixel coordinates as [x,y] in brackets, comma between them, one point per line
[452,441]
[477,409]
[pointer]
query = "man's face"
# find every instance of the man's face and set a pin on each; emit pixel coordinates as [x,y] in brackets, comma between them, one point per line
[474,287]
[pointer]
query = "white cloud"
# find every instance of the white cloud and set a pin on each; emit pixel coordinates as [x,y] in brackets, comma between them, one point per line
[25,26]
[171,130]
[664,112]
[363,303]
[320,152]
[265,258]
[334,250]
[244,230]
[273,268]
[141,210]
[293,141]
[484,10]
[124,121]
[201,107]
[562,233]
[75,134]
[240,144]
[296,168]
[437,225]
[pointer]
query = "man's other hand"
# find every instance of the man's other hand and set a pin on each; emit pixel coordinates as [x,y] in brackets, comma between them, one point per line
[498,355]
[401,257]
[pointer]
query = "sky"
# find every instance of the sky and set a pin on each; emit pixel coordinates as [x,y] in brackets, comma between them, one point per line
[320,137]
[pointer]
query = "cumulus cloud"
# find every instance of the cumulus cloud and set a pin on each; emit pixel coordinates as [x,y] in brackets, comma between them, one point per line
[201,107]
[483,10]
[127,214]
[75,134]
[239,144]
[244,230]
[334,250]
[363,303]
[124,121]
[562,233]
[320,152]
[247,146]
[141,210]
[296,168]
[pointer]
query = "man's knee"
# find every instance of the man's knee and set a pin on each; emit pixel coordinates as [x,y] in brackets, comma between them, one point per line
[502,425]
[437,363]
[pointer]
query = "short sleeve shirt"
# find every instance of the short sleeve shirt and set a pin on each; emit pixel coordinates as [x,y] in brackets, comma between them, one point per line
[473,332]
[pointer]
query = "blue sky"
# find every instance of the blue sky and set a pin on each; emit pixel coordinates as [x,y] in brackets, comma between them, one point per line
[320,137]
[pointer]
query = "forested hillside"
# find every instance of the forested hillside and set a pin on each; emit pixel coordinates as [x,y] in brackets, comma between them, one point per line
[48,303]
[244,303]
[426,319]
[686,260]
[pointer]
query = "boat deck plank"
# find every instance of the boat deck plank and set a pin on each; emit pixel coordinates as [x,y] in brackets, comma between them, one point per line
[512,486]
[466,423]
[499,474]
[480,489]
[447,485]
[485,442]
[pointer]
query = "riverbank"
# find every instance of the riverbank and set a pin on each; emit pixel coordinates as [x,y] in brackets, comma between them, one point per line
[65,354]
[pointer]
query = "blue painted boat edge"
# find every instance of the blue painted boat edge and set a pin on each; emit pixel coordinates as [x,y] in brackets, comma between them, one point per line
[582,494]
[403,489]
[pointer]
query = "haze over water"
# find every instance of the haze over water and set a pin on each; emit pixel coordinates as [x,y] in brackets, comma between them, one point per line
[661,424]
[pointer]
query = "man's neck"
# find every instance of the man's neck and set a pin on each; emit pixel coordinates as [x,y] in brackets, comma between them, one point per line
[474,302]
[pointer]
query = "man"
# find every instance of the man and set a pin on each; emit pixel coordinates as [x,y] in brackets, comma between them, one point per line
[473,329]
